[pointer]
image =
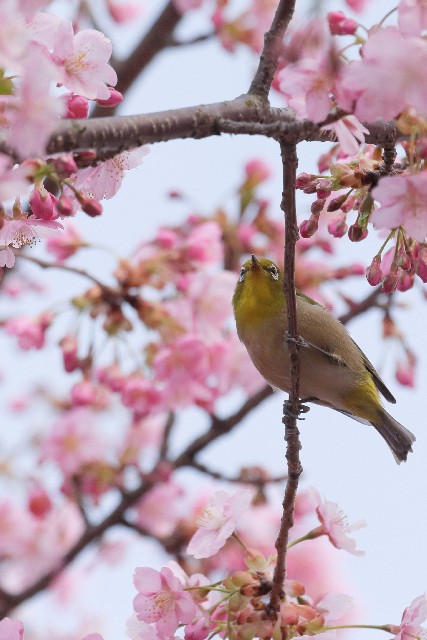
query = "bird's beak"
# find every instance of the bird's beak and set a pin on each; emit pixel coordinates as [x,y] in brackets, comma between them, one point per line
[255,263]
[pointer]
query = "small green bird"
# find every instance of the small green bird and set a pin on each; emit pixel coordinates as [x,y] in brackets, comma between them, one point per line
[334,372]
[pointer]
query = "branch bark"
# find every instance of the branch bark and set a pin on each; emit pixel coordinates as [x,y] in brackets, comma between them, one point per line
[292,406]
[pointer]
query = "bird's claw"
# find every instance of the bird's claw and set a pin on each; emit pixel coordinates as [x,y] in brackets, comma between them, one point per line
[288,410]
[299,341]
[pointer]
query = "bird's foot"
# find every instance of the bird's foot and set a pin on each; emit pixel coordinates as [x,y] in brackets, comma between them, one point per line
[299,341]
[288,410]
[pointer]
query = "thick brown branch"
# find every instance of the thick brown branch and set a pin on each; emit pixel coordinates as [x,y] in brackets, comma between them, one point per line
[245,115]
[157,38]
[292,406]
[267,66]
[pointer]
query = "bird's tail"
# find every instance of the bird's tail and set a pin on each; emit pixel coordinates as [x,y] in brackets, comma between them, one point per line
[397,437]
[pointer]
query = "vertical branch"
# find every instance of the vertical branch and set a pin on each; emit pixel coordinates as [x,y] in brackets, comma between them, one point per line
[267,66]
[291,407]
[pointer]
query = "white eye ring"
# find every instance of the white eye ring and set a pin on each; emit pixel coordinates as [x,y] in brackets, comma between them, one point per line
[242,274]
[274,272]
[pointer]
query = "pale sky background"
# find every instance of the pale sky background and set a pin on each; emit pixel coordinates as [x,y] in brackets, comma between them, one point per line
[347,462]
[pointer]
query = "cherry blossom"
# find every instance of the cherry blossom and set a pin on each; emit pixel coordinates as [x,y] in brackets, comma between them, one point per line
[334,525]
[29,331]
[382,86]
[350,133]
[160,510]
[32,114]
[66,244]
[162,599]
[217,521]
[340,24]
[412,17]
[11,629]
[403,203]
[412,618]
[82,61]
[104,180]
[73,441]
[14,37]
[123,11]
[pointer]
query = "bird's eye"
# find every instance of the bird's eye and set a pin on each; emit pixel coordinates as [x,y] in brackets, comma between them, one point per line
[242,274]
[274,272]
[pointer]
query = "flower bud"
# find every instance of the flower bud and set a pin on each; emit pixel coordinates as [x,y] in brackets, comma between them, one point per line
[77,106]
[91,206]
[340,25]
[405,282]
[317,206]
[336,203]
[338,227]
[64,206]
[115,98]
[309,227]
[422,265]
[356,233]
[303,180]
[374,275]
[390,281]
[65,165]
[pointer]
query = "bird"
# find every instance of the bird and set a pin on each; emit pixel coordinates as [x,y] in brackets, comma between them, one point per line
[334,372]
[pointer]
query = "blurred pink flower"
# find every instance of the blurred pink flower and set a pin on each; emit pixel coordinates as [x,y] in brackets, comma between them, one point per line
[82,61]
[160,510]
[340,24]
[204,244]
[403,201]
[73,441]
[66,244]
[382,86]
[141,395]
[11,629]
[334,525]
[162,599]
[217,521]
[412,17]
[122,11]
[13,181]
[104,180]
[29,331]
[138,630]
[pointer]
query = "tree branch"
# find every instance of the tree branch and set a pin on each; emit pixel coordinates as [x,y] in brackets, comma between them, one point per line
[267,66]
[292,406]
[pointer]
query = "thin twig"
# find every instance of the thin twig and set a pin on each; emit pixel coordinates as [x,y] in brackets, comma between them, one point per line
[292,406]
[218,475]
[267,66]
[367,303]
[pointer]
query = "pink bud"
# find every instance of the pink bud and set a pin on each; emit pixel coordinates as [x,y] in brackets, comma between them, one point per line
[69,353]
[65,165]
[91,206]
[77,106]
[317,206]
[336,203]
[115,98]
[323,193]
[356,233]
[309,227]
[405,282]
[337,227]
[422,265]
[43,204]
[340,25]
[390,281]
[64,206]
[374,275]
[86,157]
[257,171]
[39,502]
[303,180]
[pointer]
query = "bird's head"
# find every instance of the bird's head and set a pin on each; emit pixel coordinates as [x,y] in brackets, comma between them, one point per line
[258,292]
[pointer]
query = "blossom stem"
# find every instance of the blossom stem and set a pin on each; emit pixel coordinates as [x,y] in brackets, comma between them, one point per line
[240,541]
[386,241]
[358,626]
[387,15]
[314,533]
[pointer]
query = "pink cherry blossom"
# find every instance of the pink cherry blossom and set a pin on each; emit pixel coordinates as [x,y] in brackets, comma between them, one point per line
[334,525]
[7,257]
[204,245]
[43,204]
[340,24]
[403,201]
[350,133]
[34,112]
[413,616]
[217,521]
[160,510]
[162,599]
[82,61]
[138,630]
[73,441]
[141,395]
[307,84]
[14,38]
[104,180]
[13,182]
[381,86]
[11,629]
[412,17]
[29,331]
[122,11]
[66,244]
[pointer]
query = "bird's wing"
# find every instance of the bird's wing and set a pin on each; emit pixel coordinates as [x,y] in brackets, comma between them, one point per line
[337,360]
